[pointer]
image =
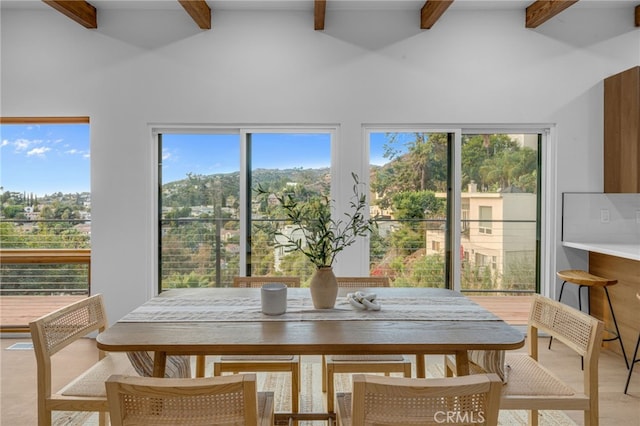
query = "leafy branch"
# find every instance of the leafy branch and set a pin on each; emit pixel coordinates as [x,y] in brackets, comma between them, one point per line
[323,237]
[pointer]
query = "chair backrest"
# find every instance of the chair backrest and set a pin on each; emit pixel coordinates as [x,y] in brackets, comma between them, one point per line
[361,282]
[578,330]
[56,330]
[469,400]
[221,400]
[257,282]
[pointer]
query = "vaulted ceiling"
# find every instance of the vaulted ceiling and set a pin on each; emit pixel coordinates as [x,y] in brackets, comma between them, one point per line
[537,12]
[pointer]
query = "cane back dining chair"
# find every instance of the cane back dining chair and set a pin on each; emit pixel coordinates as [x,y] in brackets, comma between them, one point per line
[531,386]
[57,330]
[334,364]
[263,363]
[466,400]
[228,400]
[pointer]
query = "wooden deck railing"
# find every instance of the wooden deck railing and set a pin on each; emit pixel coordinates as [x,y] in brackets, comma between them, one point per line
[49,256]
[16,311]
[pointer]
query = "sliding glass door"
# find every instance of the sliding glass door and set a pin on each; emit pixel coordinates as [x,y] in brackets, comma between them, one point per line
[213,224]
[469,221]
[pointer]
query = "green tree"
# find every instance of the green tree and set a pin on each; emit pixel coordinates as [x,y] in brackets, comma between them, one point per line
[13,211]
[417,205]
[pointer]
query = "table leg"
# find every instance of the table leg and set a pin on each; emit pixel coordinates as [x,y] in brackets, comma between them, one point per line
[420,366]
[159,364]
[462,363]
[200,365]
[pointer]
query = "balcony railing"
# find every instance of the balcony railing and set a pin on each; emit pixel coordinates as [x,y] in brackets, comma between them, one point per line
[45,257]
[45,272]
[206,252]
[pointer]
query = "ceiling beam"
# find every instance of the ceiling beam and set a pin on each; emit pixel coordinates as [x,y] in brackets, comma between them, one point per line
[432,11]
[319,10]
[199,11]
[541,11]
[78,10]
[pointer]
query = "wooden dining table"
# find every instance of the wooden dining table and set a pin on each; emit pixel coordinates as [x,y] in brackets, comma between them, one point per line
[229,321]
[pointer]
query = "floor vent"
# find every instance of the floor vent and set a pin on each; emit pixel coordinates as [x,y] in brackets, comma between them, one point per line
[21,346]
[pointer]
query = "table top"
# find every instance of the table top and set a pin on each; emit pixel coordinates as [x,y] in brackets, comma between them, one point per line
[457,324]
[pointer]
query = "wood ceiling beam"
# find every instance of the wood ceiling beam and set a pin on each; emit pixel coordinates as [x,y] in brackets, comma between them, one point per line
[319,10]
[199,11]
[432,11]
[78,10]
[541,11]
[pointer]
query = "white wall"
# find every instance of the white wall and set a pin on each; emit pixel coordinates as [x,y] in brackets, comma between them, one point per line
[142,67]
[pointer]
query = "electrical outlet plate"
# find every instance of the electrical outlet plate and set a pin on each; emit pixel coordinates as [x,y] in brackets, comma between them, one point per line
[604,215]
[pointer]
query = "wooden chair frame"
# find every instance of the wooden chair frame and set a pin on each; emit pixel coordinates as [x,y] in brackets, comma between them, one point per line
[212,401]
[386,364]
[54,332]
[530,386]
[416,401]
[266,363]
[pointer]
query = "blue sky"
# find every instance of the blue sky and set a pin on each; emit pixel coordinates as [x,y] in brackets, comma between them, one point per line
[210,154]
[43,159]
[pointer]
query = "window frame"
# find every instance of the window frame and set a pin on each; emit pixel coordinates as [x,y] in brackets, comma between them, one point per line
[244,132]
[545,234]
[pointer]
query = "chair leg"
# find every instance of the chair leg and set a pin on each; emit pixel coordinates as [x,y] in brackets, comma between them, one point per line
[330,388]
[295,388]
[560,300]
[448,369]
[615,323]
[588,312]
[633,362]
[201,362]
[407,370]
[324,374]
[44,415]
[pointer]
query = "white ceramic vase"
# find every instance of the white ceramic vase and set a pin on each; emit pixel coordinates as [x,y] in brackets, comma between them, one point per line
[324,288]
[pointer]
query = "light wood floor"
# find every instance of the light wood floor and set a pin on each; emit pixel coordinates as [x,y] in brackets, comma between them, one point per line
[18,380]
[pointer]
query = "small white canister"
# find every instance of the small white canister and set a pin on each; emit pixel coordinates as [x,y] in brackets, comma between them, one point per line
[274,298]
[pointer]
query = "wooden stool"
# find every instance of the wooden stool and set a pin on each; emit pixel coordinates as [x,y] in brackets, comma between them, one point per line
[585,279]
[635,357]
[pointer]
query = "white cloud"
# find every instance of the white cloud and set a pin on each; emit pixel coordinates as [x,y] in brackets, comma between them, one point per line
[4,143]
[22,144]
[38,151]
[73,151]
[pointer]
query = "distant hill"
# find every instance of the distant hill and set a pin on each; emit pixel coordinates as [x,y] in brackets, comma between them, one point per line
[204,189]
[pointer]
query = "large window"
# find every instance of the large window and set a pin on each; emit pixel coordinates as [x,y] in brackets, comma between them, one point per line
[45,203]
[485,201]
[500,205]
[454,208]
[45,186]
[410,175]
[214,224]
